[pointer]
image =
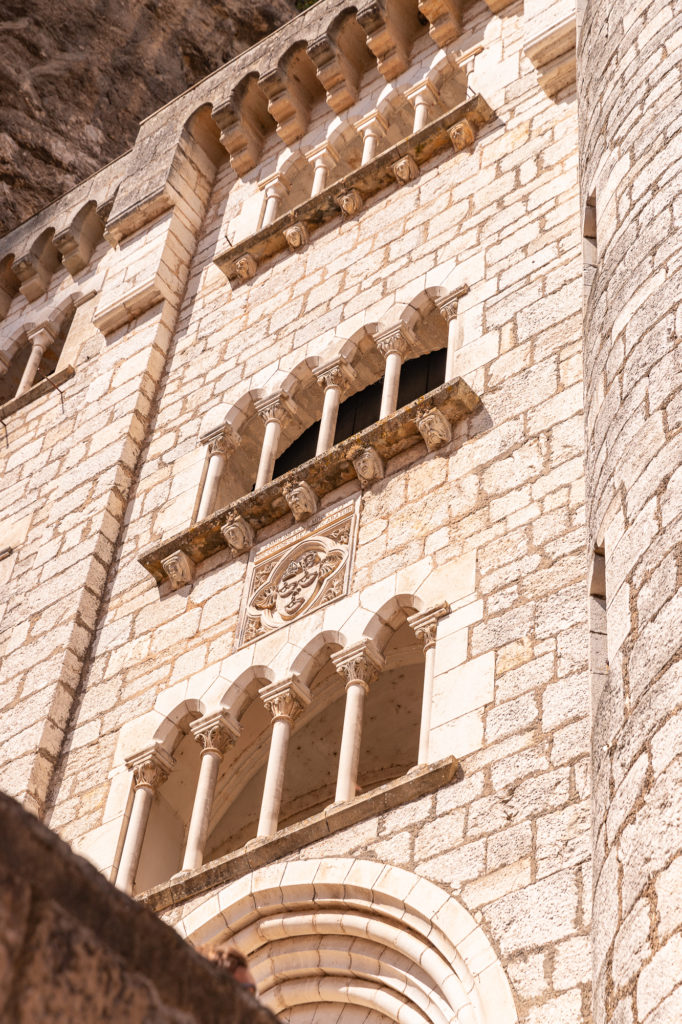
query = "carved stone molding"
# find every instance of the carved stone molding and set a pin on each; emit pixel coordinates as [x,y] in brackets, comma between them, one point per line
[216,732]
[179,569]
[359,663]
[303,571]
[238,533]
[150,768]
[301,499]
[406,169]
[425,623]
[369,466]
[286,699]
[434,428]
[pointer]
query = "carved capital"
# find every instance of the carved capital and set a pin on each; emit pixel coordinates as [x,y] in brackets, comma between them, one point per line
[216,732]
[296,236]
[349,202]
[285,700]
[447,306]
[274,407]
[221,442]
[301,499]
[434,428]
[425,623]
[398,339]
[41,337]
[239,535]
[150,768]
[359,663]
[179,569]
[405,170]
[368,465]
[337,373]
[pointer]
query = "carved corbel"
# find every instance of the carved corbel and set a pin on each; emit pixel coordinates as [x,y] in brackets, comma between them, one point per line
[445,19]
[9,284]
[369,466]
[390,29]
[244,123]
[245,267]
[36,268]
[349,202]
[78,242]
[179,569]
[290,89]
[340,57]
[296,236]
[239,535]
[434,428]
[461,135]
[405,170]
[301,499]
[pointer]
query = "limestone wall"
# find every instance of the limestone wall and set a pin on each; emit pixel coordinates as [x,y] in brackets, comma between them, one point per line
[490,524]
[630,161]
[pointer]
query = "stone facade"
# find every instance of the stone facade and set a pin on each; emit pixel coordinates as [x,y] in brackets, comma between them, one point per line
[303,620]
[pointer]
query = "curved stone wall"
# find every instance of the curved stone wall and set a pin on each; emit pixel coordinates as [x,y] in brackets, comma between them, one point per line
[629,58]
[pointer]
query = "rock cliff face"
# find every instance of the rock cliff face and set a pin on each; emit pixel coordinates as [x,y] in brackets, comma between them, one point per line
[77,77]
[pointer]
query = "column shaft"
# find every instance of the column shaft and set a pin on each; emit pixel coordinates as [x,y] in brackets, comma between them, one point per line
[330,411]
[268,455]
[427,702]
[132,847]
[216,465]
[453,345]
[319,178]
[389,395]
[272,200]
[274,777]
[31,368]
[421,114]
[349,755]
[201,810]
[370,143]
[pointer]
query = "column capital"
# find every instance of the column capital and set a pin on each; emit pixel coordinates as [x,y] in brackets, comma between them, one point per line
[425,93]
[150,768]
[286,699]
[216,732]
[277,408]
[41,337]
[424,624]
[447,305]
[323,155]
[335,373]
[275,186]
[398,338]
[359,663]
[372,124]
[222,441]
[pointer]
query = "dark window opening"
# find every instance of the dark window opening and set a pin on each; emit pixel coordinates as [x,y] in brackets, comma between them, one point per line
[417,377]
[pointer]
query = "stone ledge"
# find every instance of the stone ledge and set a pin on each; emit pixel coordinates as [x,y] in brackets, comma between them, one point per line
[366,181]
[43,387]
[552,52]
[258,852]
[324,473]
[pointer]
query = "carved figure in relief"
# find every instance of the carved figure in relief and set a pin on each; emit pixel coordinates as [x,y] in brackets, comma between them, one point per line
[405,170]
[368,466]
[179,568]
[301,499]
[296,236]
[238,534]
[461,135]
[350,202]
[298,584]
[434,428]
[245,267]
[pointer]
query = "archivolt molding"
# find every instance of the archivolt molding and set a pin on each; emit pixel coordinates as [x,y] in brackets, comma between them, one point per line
[358,932]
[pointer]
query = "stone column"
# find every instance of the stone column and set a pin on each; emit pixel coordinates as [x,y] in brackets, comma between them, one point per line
[285,701]
[273,411]
[422,98]
[447,308]
[334,377]
[394,344]
[220,444]
[323,159]
[425,625]
[371,129]
[150,770]
[275,192]
[216,733]
[360,665]
[40,342]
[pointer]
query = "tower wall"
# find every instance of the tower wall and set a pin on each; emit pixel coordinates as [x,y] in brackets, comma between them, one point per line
[629,71]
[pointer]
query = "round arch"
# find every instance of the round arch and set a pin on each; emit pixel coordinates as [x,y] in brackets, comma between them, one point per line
[362,933]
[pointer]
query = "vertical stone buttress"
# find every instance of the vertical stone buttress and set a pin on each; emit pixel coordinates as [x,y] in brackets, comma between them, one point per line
[629,71]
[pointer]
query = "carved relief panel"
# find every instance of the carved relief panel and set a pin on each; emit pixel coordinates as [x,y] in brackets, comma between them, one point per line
[301,571]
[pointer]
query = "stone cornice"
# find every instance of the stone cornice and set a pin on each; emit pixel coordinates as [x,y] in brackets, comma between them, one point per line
[364,182]
[257,852]
[324,473]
